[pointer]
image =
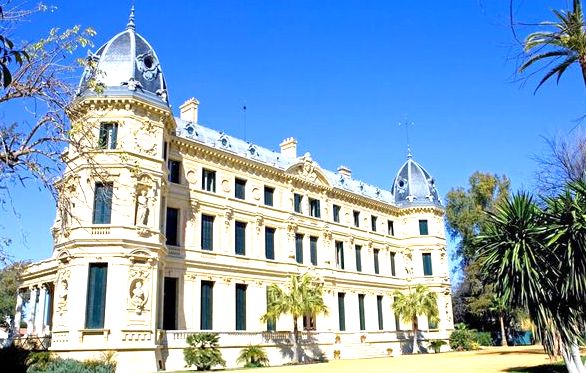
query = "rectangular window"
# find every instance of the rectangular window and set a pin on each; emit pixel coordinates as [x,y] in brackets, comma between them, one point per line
[172,226]
[174,171]
[358,258]
[309,322]
[207,232]
[103,203]
[170,303]
[341,312]
[240,307]
[314,208]
[397,318]
[431,324]
[376,268]
[390,228]
[393,270]
[336,213]
[240,238]
[269,193]
[297,198]
[340,254]
[240,189]
[423,229]
[271,323]
[165,150]
[108,135]
[208,178]
[427,269]
[373,223]
[361,311]
[299,248]
[270,243]
[379,309]
[95,307]
[313,250]
[356,218]
[207,305]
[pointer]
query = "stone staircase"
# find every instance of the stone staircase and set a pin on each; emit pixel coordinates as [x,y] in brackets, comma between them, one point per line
[364,350]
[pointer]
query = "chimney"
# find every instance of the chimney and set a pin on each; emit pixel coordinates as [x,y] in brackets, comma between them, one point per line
[344,171]
[289,148]
[189,110]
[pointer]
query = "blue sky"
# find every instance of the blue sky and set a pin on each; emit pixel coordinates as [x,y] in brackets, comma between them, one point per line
[339,76]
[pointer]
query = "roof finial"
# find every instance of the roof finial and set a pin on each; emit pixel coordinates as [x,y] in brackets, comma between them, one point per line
[407,124]
[130,25]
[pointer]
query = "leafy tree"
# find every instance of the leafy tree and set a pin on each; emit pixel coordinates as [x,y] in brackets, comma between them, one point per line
[500,307]
[539,256]
[253,356]
[9,283]
[419,302]
[563,45]
[303,297]
[204,351]
[41,90]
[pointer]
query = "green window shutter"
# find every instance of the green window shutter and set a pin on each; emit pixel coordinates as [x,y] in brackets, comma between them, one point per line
[297,198]
[313,250]
[361,311]
[376,268]
[240,307]
[427,268]
[358,258]
[240,238]
[103,203]
[172,226]
[95,309]
[270,243]
[240,189]
[423,228]
[379,308]
[341,312]
[269,196]
[340,254]
[207,305]
[299,248]
[207,232]
[113,136]
[393,270]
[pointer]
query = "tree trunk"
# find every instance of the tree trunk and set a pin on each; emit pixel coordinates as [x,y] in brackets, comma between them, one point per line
[583,67]
[503,334]
[571,355]
[415,347]
[296,354]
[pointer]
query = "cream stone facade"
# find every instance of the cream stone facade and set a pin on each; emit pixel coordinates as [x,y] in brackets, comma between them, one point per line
[172,227]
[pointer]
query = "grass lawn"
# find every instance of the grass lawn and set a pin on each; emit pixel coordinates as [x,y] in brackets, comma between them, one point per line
[525,359]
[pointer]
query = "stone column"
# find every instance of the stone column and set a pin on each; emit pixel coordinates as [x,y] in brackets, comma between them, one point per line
[33,310]
[40,311]
[18,313]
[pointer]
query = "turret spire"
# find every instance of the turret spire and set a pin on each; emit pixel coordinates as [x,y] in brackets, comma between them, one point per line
[130,25]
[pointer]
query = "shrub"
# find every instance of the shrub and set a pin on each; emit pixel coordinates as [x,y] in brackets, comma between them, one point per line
[204,352]
[74,366]
[253,356]
[463,339]
[13,359]
[436,345]
[483,338]
[39,360]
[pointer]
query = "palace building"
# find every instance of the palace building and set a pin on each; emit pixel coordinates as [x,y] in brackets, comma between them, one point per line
[172,227]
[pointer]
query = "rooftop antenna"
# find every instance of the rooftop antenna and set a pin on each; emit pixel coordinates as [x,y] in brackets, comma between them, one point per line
[244,113]
[406,123]
[130,25]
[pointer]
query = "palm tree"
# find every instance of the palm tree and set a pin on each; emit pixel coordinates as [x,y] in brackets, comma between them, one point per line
[499,306]
[420,302]
[539,257]
[303,297]
[565,45]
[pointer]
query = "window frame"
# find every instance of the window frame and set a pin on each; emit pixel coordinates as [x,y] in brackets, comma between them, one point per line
[177,241]
[427,263]
[314,207]
[373,222]
[336,212]
[207,219]
[240,242]
[96,296]
[174,169]
[270,254]
[208,180]
[356,216]
[240,188]
[269,191]
[358,254]
[108,136]
[423,227]
[298,203]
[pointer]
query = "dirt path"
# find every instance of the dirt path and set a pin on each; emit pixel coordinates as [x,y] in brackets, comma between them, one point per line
[492,359]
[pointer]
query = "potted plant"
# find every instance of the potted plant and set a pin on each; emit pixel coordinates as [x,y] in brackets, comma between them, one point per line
[436,345]
[363,338]
[337,354]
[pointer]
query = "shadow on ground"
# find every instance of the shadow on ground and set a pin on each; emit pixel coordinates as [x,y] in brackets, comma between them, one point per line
[545,368]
